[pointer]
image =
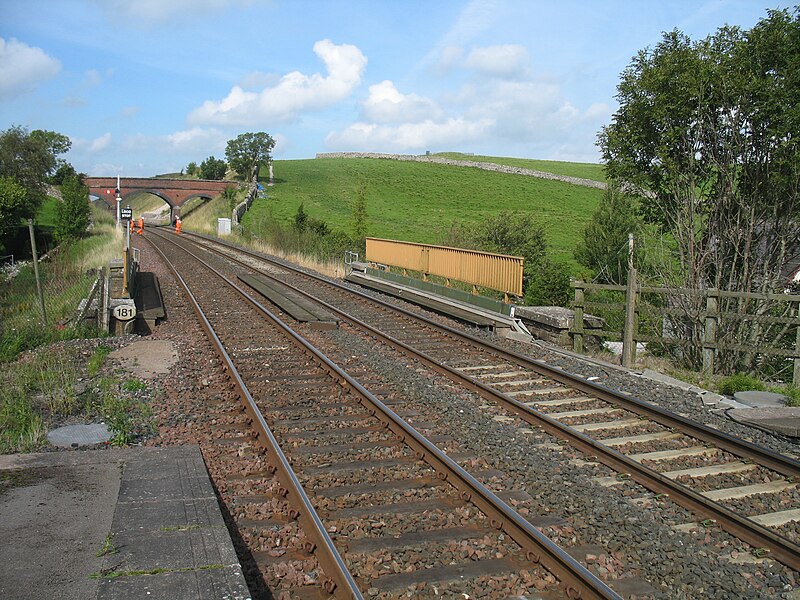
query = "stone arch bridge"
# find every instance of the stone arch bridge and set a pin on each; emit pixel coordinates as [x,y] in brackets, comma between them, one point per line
[175,192]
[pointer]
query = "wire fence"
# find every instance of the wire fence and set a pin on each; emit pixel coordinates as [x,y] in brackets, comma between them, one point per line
[22,323]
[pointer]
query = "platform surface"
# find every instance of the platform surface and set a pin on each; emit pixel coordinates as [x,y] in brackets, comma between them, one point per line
[460,310]
[117,523]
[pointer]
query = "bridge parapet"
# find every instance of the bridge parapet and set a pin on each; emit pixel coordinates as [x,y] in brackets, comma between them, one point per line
[174,192]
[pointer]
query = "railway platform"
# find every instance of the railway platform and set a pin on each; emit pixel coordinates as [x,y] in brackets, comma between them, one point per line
[501,324]
[116,523]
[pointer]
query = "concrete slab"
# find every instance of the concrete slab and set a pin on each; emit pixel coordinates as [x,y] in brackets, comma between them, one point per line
[710,398]
[758,399]
[116,523]
[781,420]
[727,403]
[147,359]
[54,517]
[663,378]
[71,436]
[212,583]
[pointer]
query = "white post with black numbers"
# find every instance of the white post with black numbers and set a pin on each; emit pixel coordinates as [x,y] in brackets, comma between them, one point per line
[124,312]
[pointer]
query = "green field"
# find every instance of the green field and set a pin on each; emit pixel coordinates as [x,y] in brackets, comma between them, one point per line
[592,171]
[418,202]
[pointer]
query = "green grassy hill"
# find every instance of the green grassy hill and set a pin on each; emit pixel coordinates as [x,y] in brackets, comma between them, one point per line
[592,171]
[419,201]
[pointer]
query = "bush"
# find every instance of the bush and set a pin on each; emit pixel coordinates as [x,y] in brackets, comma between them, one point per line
[213,168]
[73,212]
[604,247]
[739,382]
[546,283]
[549,286]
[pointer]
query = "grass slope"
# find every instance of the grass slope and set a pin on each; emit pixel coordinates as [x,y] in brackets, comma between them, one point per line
[592,171]
[419,201]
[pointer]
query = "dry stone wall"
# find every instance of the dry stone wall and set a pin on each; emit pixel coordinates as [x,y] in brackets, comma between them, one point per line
[468,163]
[242,207]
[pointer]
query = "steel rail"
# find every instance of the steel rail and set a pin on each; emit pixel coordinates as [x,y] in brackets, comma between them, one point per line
[577,580]
[339,581]
[781,548]
[763,456]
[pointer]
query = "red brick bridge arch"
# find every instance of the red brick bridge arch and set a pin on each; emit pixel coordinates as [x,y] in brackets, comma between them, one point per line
[175,192]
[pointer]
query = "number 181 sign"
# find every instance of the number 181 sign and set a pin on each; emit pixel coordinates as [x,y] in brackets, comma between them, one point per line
[124,312]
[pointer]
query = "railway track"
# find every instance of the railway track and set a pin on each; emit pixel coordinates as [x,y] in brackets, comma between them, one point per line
[722,479]
[387,511]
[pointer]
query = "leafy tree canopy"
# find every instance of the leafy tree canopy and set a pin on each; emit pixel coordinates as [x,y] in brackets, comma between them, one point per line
[73,211]
[248,151]
[13,204]
[213,168]
[604,247]
[30,158]
[518,234]
[709,131]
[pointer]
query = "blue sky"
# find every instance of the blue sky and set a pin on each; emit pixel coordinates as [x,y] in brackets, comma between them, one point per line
[145,86]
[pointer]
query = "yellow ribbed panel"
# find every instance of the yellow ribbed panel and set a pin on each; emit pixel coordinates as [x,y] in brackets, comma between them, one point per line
[485,269]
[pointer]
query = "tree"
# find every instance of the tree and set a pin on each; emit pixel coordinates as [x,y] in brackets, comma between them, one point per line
[248,151]
[30,158]
[191,168]
[518,234]
[300,219]
[360,214]
[604,247]
[708,132]
[213,168]
[13,205]
[63,172]
[73,212]
[230,195]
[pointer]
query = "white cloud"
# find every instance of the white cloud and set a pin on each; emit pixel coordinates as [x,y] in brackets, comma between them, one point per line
[23,67]
[475,18]
[196,140]
[292,95]
[408,136]
[100,169]
[506,60]
[100,143]
[528,115]
[259,79]
[386,104]
[449,58]
[91,78]
[91,146]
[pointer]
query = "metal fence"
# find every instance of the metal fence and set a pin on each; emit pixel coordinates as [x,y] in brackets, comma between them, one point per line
[485,269]
[63,288]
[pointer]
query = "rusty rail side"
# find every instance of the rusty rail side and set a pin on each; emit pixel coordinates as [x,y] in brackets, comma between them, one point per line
[340,582]
[578,581]
[781,548]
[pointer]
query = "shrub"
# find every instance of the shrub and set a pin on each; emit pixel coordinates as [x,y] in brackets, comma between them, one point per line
[739,382]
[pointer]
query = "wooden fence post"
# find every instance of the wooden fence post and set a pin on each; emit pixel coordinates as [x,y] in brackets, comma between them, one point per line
[39,291]
[710,332]
[629,333]
[577,323]
[796,376]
